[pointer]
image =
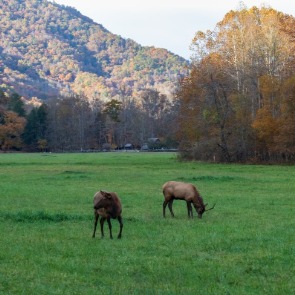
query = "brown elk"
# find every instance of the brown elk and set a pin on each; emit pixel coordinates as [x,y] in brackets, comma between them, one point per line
[175,190]
[107,205]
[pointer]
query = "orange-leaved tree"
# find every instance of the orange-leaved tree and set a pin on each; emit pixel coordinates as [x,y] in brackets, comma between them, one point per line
[239,71]
[11,129]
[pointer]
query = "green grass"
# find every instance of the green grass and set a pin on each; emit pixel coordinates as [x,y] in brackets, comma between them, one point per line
[245,245]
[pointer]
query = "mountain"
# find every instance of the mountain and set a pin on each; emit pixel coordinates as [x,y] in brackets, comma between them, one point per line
[48,49]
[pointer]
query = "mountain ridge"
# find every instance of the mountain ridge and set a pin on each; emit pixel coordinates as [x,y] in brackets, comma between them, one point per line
[47,49]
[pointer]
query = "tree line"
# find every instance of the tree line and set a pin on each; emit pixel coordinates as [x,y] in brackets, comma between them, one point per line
[73,123]
[238,102]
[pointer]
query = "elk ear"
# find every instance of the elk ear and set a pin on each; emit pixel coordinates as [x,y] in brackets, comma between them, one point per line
[106,194]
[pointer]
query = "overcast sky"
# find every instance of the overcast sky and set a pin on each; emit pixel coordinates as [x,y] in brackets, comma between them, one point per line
[169,24]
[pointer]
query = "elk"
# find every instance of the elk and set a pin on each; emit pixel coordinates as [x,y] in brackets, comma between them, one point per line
[107,205]
[175,190]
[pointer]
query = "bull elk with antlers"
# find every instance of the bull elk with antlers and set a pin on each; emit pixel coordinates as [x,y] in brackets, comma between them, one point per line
[175,190]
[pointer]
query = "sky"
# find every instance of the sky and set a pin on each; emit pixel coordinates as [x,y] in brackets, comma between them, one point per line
[169,24]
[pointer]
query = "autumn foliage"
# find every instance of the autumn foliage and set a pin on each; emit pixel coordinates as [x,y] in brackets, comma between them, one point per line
[48,49]
[238,102]
[12,123]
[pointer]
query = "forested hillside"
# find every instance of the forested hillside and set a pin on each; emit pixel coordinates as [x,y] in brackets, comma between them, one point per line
[47,49]
[238,103]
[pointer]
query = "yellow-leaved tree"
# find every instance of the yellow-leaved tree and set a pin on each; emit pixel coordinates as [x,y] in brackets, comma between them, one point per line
[11,129]
[238,86]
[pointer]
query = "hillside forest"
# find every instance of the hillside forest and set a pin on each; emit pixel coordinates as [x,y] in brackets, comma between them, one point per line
[48,50]
[235,104]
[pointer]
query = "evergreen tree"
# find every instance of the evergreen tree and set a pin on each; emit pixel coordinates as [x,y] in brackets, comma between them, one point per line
[15,104]
[42,116]
[35,130]
[3,98]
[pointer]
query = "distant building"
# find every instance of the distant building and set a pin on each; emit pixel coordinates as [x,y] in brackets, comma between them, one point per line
[144,147]
[154,140]
[152,143]
[106,147]
[128,146]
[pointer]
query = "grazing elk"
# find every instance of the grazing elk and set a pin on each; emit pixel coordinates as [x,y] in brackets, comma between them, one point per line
[175,190]
[107,205]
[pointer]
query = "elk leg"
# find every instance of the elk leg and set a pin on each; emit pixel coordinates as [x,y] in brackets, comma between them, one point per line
[121,226]
[189,209]
[102,220]
[170,207]
[96,215]
[164,207]
[110,226]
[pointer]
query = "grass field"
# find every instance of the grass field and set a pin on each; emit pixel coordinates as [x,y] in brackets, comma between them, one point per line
[245,245]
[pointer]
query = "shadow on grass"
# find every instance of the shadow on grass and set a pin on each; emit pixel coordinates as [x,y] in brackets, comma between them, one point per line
[208,178]
[34,216]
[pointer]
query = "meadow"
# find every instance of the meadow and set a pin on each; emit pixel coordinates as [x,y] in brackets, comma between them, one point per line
[245,245]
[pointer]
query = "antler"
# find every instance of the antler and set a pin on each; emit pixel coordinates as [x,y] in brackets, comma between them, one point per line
[211,208]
